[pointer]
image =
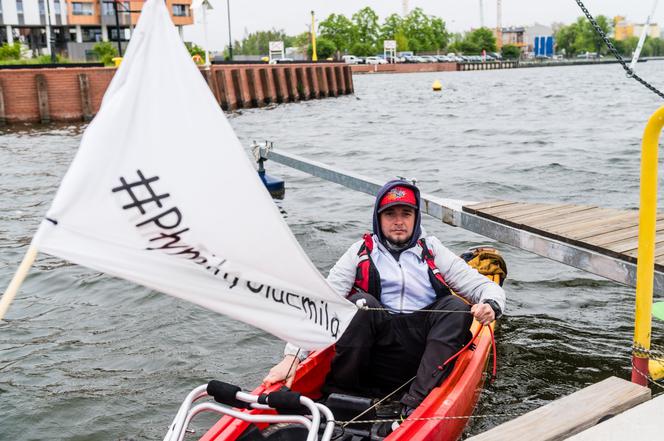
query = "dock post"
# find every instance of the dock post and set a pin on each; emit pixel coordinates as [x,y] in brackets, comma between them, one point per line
[42,99]
[84,89]
[646,251]
[3,115]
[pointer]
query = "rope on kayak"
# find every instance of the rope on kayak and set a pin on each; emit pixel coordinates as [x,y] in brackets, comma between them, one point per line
[399,420]
[376,405]
[368,308]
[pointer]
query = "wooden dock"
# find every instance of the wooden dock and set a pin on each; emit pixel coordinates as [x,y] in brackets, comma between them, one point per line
[604,230]
[572,414]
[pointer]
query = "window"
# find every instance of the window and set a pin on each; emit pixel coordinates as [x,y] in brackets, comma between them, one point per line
[107,8]
[91,34]
[82,9]
[180,10]
[56,6]
[19,6]
[42,7]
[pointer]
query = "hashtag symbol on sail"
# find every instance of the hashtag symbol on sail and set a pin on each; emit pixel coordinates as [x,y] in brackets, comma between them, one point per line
[140,192]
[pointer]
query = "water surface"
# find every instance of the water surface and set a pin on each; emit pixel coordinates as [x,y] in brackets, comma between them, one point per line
[84,356]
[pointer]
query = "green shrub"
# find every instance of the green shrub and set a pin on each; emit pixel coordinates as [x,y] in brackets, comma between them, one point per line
[10,51]
[105,52]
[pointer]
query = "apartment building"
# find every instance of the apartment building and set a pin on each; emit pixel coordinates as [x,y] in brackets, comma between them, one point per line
[75,26]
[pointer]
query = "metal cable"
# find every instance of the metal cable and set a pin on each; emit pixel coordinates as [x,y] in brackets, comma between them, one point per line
[614,51]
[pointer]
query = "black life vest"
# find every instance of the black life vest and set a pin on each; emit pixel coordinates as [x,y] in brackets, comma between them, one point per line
[367,278]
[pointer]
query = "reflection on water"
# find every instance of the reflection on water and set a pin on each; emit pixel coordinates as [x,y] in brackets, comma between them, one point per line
[116,359]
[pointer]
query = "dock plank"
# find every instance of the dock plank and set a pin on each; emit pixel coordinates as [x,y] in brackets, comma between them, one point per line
[607,231]
[572,414]
[557,211]
[487,204]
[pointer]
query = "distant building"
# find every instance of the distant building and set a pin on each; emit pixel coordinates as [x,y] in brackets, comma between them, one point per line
[536,30]
[622,29]
[76,24]
[515,36]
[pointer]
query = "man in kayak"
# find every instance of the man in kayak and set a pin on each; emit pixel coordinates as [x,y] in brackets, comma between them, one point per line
[414,323]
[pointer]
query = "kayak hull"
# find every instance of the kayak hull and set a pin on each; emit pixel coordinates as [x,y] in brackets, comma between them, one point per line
[442,416]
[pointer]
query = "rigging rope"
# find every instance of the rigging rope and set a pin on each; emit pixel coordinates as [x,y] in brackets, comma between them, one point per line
[614,51]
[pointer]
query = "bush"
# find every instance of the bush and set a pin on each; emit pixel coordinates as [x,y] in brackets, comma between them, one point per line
[511,52]
[105,52]
[196,50]
[10,51]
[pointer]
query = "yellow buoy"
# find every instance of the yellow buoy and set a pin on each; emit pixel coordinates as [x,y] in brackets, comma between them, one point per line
[437,87]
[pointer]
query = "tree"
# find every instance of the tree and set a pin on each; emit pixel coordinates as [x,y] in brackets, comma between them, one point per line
[483,39]
[324,48]
[338,29]
[424,32]
[366,26]
[257,43]
[362,49]
[510,52]
[590,35]
[391,27]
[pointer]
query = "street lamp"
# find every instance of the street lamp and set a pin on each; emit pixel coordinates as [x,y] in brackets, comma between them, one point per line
[230,40]
[206,7]
[50,33]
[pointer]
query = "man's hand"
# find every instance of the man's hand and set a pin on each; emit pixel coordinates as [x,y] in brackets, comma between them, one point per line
[483,313]
[283,371]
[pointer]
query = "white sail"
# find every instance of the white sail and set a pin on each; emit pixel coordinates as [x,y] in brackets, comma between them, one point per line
[161,193]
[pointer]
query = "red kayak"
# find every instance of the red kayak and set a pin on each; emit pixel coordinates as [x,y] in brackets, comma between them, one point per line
[435,419]
[442,416]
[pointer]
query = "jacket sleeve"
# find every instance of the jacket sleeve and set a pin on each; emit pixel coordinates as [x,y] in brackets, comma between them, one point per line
[341,278]
[342,275]
[463,279]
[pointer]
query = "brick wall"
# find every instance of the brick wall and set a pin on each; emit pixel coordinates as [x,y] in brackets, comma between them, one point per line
[64,95]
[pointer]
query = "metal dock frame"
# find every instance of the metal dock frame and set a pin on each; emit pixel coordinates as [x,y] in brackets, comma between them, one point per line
[451,212]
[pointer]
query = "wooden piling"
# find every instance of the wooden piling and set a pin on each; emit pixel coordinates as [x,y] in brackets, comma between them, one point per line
[255,96]
[235,96]
[42,98]
[322,81]
[266,86]
[86,104]
[349,80]
[223,88]
[3,115]
[291,77]
[339,74]
[331,81]
[302,84]
[280,85]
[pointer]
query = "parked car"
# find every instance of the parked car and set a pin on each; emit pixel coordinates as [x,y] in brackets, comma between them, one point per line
[281,60]
[411,59]
[361,60]
[375,60]
[428,59]
[349,59]
[443,58]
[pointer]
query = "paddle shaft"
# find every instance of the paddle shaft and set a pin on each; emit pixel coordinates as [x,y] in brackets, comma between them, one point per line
[17,280]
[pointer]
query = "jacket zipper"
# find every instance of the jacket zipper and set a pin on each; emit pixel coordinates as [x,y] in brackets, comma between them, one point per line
[403,285]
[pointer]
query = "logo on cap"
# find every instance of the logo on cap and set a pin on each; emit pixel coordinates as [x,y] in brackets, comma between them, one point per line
[398,196]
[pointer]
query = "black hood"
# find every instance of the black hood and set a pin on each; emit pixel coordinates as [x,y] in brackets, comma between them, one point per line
[417,231]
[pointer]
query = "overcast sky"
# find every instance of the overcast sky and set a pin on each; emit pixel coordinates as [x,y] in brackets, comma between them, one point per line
[294,16]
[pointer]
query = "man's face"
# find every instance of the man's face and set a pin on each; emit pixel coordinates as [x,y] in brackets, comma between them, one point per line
[397,223]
